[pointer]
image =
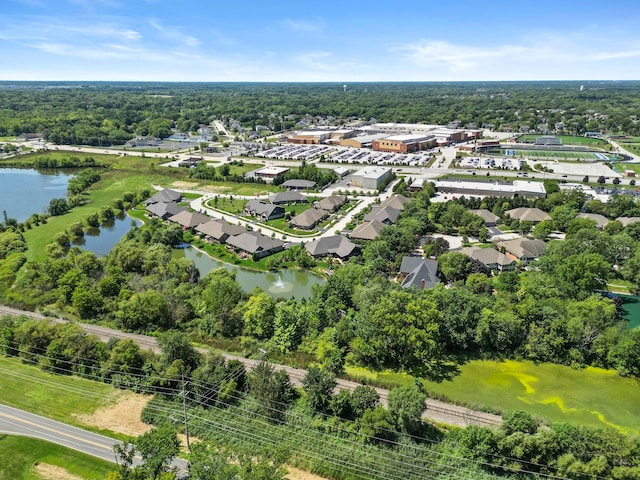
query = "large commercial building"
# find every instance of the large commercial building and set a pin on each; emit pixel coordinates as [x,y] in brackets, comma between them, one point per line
[404,143]
[518,188]
[371,177]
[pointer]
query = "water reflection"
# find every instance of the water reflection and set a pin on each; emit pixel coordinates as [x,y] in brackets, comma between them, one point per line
[283,284]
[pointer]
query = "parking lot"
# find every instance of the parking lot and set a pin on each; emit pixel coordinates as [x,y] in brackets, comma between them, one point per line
[490,162]
[334,154]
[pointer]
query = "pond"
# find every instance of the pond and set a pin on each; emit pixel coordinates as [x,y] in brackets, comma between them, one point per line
[282,284]
[100,240]
[631,309]
[24,191]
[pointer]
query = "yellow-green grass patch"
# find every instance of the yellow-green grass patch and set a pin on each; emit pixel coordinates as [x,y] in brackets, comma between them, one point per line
[591,396]
[20,455]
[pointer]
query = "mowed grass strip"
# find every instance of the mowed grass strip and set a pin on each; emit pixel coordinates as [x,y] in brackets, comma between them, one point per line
[58,397]
[20,455]
[591,396]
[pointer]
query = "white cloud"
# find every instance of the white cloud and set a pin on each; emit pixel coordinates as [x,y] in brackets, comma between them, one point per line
[315,61]
[302,25]
[174,34]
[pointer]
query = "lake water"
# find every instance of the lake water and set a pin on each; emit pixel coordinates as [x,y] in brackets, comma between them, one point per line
[631,309]
[24,192]
[101,240]
[282,284]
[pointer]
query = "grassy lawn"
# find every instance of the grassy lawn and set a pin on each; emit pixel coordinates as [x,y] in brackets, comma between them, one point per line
[226,204]
[591,396]
[244,168]
[567,140]
[59,397]
[631,147]
[20,455]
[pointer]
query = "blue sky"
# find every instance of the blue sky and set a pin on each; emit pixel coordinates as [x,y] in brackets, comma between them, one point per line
[341,41]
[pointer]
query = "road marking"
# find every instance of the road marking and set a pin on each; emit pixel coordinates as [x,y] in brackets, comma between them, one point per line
[58,432]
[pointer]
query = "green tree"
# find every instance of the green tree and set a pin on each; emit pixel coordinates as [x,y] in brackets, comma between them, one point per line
[363,398]
[158,447]
[259,315]
[318,386]
[58,206]
[454,265]
[406,405]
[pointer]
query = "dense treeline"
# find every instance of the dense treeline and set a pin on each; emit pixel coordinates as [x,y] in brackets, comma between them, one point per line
[339,435]
[551,313]
[110,114]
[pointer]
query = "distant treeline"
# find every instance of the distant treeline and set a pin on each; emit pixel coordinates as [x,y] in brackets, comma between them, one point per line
[110,114]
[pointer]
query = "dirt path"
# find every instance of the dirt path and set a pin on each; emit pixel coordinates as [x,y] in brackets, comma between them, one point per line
[52,472]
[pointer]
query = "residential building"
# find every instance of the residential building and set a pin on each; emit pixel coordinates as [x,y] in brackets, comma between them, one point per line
[335,245]
[491,258]
[164,196]
[189,219]
[219,230]
[164,210]
[367,230]
[371,178]
[331,203]
[628,220]
[295,184]
[255,244]
[490,220]
[308,219]
[601,220]
[419,272]
[523,249]
[262,210]
[395,201]
[386,215]
[287,198]
[526,214]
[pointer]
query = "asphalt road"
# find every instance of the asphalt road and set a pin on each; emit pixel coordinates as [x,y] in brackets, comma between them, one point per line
[18,422]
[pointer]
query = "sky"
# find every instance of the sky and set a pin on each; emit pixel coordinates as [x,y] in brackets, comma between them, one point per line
[326,41]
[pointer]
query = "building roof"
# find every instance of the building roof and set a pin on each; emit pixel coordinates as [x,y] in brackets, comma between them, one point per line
[628,220]
[258,207]
[165,196]
[165,210]
[334,245]
[367,139]
[524,248]
[287,197]
[528,214]
[270,171]
[486,215]
[189,219]
[517,187]
[219,228]
[409,138]
[395,201]
[331,202]
[488,256]
[601,220]
[373,172]
[367,230]
[420,272]
[253,242]
[308,218]
[383,214]
[298,183]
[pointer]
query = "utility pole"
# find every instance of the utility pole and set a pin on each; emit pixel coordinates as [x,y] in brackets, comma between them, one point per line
[184,407]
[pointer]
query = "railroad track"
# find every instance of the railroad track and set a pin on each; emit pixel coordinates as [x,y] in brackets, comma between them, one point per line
[436,410]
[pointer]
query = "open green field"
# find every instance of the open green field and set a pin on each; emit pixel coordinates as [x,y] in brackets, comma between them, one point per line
[62,398]
[20,455]
[567,140]
[592,396]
